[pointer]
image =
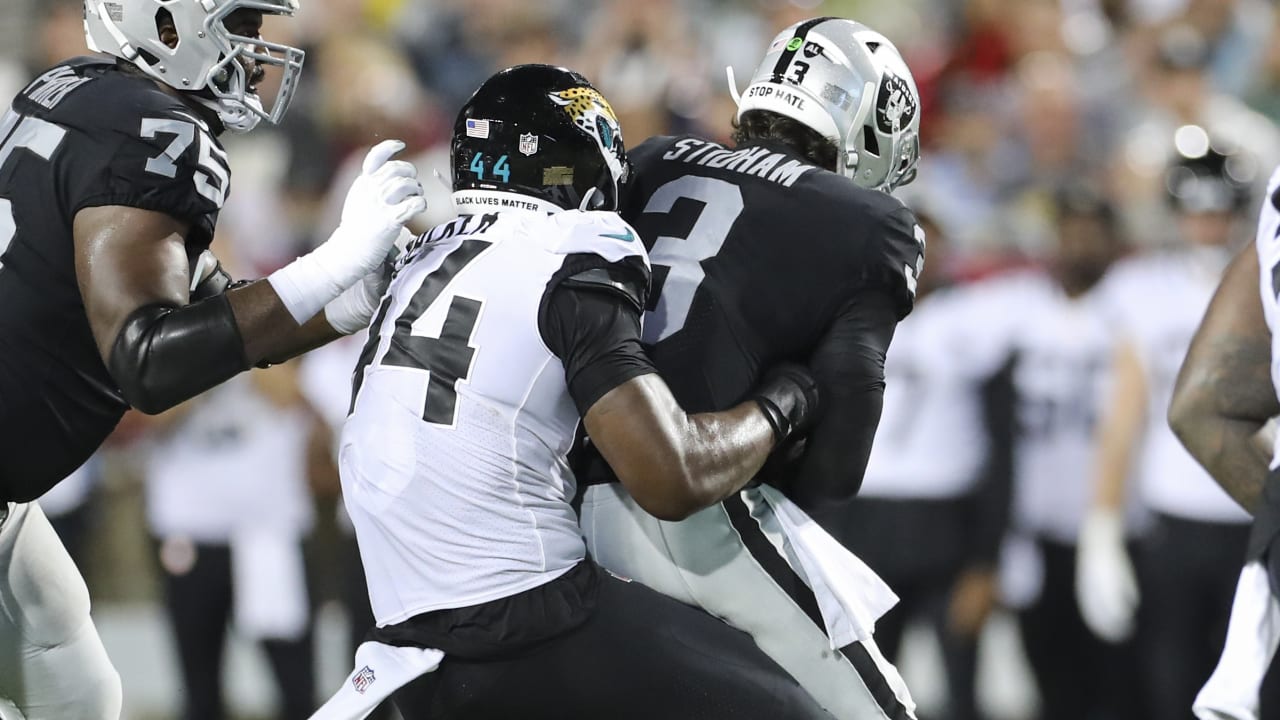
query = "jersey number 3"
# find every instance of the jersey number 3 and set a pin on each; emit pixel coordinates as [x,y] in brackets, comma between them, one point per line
[448,358]
[722,203]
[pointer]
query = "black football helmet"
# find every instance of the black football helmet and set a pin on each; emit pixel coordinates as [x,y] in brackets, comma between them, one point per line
[541,131]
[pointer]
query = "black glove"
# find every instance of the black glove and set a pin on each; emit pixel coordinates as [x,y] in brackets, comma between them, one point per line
[788,396]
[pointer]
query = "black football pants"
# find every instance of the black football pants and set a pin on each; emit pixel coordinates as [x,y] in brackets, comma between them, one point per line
[199,604]
[640,655]
[1080,676]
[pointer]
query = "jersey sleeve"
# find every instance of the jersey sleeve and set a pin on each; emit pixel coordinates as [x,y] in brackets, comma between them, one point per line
[144,151]
[893,252]
[872,237]
[849,365]
[590,319]
[603,251]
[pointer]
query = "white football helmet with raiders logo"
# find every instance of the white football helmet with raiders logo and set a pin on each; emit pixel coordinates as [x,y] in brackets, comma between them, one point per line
[206,59]
[849,83]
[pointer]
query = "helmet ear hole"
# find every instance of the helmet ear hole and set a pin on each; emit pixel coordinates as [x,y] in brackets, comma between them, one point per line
[167,29]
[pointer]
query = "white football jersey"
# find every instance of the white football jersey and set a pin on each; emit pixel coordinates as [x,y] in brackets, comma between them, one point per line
[1158,300]
[235,461]
[1268,245]
[931,442]
[453,460]
[1062,349]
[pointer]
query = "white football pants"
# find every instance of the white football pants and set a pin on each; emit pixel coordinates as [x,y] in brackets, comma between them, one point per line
[721,560]
[52,662]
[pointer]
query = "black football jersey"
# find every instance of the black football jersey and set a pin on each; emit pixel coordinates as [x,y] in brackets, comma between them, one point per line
[754,252]
[85,133]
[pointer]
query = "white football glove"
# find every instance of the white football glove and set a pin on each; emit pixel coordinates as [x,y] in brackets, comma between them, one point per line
[381,200]
[351,311]
[1106,586]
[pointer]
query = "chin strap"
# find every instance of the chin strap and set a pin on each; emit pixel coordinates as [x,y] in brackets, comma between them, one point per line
[733,85]
[586,199]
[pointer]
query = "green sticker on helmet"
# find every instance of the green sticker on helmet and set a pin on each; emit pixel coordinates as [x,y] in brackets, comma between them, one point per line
[795,44]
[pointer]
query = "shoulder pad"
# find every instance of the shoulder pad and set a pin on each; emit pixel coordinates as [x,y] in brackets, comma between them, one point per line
[599,233]
[885,246]
[622,279]
[134,144]
[650,150]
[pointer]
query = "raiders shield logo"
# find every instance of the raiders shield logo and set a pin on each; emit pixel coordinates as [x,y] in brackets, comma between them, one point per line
[895,105]
[528,144]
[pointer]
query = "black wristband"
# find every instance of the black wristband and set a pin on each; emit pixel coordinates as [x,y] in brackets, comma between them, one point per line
[777,419]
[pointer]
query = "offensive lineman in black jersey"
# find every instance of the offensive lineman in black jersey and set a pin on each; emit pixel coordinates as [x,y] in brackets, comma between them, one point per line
[111,179]
[785,247]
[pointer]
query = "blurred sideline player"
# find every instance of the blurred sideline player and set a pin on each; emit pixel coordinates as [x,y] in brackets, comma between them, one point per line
[785,247]
[926,518]
[1187,561]
[501,331]
[228,508]
[111,179]
[1060,343]
[1225,395]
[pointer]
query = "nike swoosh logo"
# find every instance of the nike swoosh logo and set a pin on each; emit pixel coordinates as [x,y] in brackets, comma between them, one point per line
[618,236]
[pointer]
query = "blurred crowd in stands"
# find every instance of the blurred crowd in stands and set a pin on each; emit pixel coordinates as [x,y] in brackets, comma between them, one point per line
[1088,167]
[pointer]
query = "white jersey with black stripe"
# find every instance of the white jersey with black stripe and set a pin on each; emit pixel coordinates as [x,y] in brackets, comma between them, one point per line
[1268,246]
[453,460]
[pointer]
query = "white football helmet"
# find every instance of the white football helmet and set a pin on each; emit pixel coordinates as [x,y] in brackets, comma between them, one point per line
[207,55]
[850,84]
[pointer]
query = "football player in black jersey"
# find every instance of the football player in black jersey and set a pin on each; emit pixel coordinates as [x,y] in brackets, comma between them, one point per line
[111,179]
[786,246]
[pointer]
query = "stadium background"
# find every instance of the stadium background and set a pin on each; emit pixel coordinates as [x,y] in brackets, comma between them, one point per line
[1018,95]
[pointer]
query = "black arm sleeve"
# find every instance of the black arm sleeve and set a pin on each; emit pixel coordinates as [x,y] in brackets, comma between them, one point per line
[993,495]
[849,366]
[164,355]
[596,334]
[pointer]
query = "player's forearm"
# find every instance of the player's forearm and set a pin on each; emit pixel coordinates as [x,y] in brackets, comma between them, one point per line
[1226,448]
[268,330]
[1222,400]
[671,463]
[1121,429]
[722,451]
[1224,395]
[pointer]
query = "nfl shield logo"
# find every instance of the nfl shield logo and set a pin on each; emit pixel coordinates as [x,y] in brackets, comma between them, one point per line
[363,679]
[528,144]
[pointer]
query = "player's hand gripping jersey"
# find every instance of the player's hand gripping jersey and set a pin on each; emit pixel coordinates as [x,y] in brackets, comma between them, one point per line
[453,460]
[86,133]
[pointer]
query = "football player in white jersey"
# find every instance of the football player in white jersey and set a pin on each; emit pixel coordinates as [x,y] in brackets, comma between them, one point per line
[1061,344]
[1224,397]
[1186,560]
[501,331]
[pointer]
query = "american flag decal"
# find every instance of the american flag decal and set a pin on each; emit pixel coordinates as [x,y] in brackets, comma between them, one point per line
[478,129]
[363,679]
